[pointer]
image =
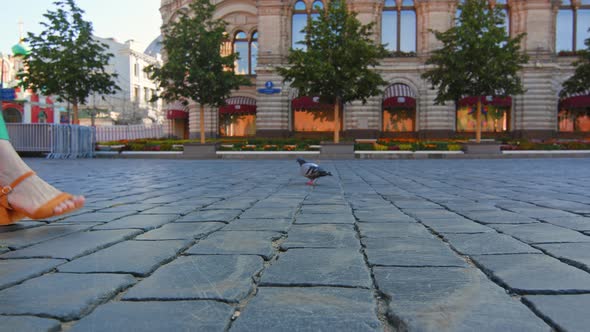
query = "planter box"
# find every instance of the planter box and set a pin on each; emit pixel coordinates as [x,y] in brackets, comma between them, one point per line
[330,150]
[485,147]
[200,151]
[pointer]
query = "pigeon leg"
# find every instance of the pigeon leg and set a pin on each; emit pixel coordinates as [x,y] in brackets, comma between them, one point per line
[309,183]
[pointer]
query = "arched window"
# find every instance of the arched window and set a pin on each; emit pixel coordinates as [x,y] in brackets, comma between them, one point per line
[572,24]
[398,26]
[253,53]
[247,49]
[42,118]
[301,16]
[241,48]
[399,109]
[12,115]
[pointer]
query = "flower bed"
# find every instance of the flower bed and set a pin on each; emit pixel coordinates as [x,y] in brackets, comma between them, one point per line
[298,144]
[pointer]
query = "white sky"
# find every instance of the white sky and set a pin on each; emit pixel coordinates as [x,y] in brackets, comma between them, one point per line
[139,20]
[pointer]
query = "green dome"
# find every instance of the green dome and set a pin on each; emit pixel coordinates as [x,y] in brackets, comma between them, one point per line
[20,49]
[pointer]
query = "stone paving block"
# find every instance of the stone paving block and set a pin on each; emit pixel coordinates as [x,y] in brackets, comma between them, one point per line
[170,209]
[499,217]
[144,222]
[561,204]
[226,278]
[451,299]
[138,258]
[418,252]
[27,237]
[414,204]
[534,274]
[237,243]
[456,225]
[321,236]
[567,312]
[97,217]
[63,296]
[325,209]
[376,216]
[542,233]
[276,225]
[131,208]
[324,219]
[577,223]
[3,250]
[232,204]
[429,214]
[318,267]
[402,230]
[310,309]
[28,323]
[264,213]
[488,244]
[577,254]
[157,316]
[211,215]
[20,226]
[538,212]
[14,271]
[73,245]
[178,231]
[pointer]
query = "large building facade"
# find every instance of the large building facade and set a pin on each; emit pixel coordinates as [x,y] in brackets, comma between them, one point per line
[263,31]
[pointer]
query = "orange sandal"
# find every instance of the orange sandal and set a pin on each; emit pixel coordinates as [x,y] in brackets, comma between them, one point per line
[10,214]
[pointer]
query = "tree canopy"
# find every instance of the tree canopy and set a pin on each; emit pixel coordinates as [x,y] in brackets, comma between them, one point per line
[194,67]
[580,81]
[337,63]
[477,57]
[65,60]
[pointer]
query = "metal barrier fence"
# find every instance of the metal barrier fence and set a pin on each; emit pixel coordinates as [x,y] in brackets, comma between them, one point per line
[59,141]
[130,132]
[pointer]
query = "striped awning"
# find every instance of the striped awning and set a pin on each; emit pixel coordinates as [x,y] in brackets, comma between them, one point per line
[497,101]
[309,104]
[176,110]
[399,96]
[239,105]
[580,100]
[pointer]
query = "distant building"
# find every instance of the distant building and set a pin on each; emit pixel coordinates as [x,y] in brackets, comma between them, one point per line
[27,107]
[263,31]
[130,105]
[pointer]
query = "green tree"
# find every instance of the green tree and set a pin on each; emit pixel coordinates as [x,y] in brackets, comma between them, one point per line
[338,60]
[580,81]
[477,58]
[65,60]
[194,68]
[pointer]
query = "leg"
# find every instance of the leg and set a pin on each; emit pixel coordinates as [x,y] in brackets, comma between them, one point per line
[32,196]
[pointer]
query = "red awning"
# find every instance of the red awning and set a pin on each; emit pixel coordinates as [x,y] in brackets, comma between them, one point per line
[498,101]
[176,114]
[239,105]
[579,100]
[309,103]
[399,96]
[176,110]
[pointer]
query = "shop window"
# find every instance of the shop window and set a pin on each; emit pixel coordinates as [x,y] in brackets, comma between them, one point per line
[313,120]
[574,121]
[494,119]
[398,26]
[12,115]
[399,120]
[42,117]
[237,124]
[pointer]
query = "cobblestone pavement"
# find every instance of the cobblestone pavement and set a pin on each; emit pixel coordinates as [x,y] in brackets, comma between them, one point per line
[430,245]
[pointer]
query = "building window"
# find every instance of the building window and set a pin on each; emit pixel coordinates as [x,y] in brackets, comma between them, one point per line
[398,26]
[493,120]
[135,95]
[146,94]
[301,17]
[572,24]
[247,50]
[136,69]
[42,118]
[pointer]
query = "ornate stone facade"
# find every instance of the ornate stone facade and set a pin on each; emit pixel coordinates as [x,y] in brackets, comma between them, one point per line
[533,114]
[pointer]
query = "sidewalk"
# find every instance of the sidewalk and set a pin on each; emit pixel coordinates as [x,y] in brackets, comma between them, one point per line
[244,245]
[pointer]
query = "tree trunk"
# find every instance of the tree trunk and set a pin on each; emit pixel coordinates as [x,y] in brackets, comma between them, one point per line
[202,122]
[478,121]
[75,119]
[92,118]
[337,121]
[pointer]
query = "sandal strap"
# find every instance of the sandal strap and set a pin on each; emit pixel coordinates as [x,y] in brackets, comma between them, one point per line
[8,189]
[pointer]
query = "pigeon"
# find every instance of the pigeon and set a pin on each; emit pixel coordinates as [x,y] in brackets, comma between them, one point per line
[311,171]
